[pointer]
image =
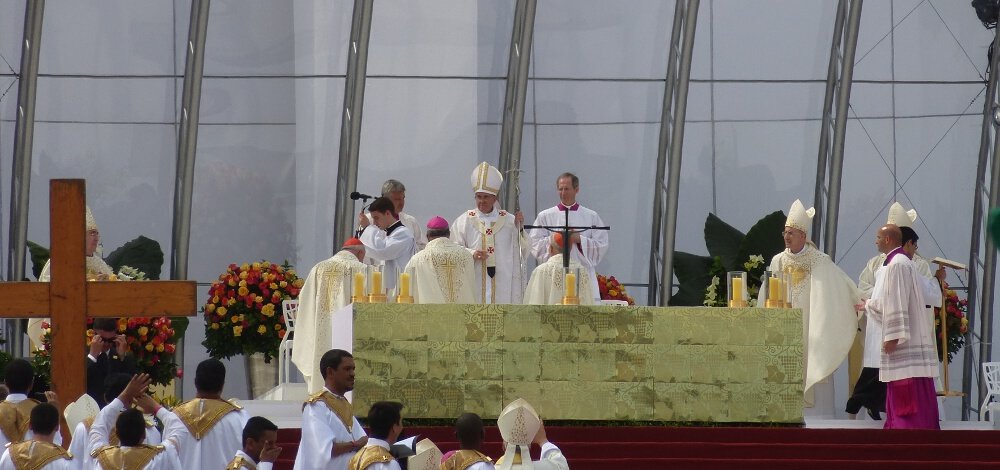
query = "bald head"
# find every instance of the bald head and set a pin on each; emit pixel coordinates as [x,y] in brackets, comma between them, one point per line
[888,238]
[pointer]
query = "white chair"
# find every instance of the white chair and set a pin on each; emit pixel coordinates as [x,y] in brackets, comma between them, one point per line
[289,308]
[991,374]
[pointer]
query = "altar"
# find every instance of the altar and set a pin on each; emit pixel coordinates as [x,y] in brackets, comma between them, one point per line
[578,362]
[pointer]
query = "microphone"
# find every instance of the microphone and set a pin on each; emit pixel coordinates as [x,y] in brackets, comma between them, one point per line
[356,195]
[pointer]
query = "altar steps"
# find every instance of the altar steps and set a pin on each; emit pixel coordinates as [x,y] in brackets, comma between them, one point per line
[746,447]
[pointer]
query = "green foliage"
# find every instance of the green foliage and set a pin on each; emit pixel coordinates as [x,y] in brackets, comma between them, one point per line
[141,253]
[39,256]
[728,250]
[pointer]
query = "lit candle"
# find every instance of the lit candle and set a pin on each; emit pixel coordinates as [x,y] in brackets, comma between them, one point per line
[359,285]
[775,291]
[737,293]
[404,285]
[376,283]
[570,285]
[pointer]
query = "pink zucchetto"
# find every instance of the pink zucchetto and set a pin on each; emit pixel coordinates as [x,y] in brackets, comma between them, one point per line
[437,223]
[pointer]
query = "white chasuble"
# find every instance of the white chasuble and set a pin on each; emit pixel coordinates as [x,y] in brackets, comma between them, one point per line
[507,248]
[442,273]
[327,289]
[547,286]
[827,297]
[593,243]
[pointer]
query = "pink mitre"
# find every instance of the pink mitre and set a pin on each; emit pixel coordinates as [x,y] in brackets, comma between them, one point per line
[437,223]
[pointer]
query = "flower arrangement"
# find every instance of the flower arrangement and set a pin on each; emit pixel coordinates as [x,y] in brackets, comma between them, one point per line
[151,340]
[611,289]
[958,324]
[753,266]
[243,311]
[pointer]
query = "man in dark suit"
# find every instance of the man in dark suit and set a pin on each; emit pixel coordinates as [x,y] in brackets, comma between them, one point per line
[109,354]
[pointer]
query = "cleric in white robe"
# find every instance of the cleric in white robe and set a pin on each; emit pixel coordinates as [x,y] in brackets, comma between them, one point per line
[443,272]
[520,427]
[827,297]
[496,240]
[386,240]
[97,270]
[908,353]
[591,245]
[327,289]
[331,435]
[547,285]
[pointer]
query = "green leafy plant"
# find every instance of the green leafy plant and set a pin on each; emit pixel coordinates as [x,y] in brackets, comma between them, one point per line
[728,250]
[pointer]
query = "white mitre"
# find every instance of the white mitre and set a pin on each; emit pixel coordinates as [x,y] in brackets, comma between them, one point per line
[518,423]
[89,219]
[486,178]
[83,408]
[799,217]
[428,457]
[900,217]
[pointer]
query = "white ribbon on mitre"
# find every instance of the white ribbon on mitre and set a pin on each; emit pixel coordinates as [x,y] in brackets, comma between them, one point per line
[799,217]
[81,409]
[518,423]
[486,179]
[428,456]
[91,223]
[901,217]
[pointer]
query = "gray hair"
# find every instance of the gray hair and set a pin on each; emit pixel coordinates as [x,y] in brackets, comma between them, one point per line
[392,186]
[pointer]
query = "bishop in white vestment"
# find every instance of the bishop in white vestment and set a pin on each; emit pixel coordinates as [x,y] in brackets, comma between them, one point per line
[327,289]
[547,285]
[590,245]
[827,297]
[443,272]
[496,240]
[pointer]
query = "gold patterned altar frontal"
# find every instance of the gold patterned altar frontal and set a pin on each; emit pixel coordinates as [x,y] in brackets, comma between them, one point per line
[582,362]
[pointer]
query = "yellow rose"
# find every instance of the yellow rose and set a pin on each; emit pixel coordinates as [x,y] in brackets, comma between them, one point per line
[159,348]
[235,319]
[222,311]
[272,286]
[215,326]
[149,347]
[283,284]
[277,326]
[210,308]
[237,330]
[265,264]
[261,329]
[232,300]
[243,275]
[267,310]
[143,330]
[244,266]
[243,283]
[243,291]
[298,283]
[231,283]
[215,299]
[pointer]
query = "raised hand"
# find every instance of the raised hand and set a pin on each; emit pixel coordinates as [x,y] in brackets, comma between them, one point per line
[121,346]
[270,452]
[135,388]
[147,404]
[53,399]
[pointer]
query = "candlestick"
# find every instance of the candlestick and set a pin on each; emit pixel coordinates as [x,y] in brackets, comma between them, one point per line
[376,283]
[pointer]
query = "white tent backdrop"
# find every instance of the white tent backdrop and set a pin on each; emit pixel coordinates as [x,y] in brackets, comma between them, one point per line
[110,85]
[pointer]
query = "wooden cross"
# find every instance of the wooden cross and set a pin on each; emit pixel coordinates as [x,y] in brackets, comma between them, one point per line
[69,299]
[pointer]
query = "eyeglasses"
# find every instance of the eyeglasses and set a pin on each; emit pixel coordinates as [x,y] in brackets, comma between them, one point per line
[787,233]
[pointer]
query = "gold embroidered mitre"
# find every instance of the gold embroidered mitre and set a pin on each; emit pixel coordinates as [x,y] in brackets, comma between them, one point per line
[126,458]
[202,414]
[14,418]
[367,456]
[33,455]
[465,458]
[338,405]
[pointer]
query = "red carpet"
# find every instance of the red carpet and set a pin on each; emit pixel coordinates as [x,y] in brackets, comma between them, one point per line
[734,447]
